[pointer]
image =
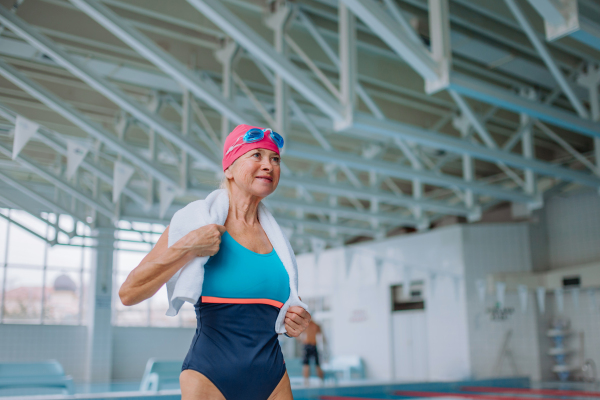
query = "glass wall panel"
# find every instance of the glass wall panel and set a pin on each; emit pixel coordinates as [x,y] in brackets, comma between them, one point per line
[23,296]
[62,302]
[28,220]
[24,249]
[63,256]
[3,235]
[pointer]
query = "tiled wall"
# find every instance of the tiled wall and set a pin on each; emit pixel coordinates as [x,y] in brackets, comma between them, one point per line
[490,248]
[573,223]
[66,344]
[132,347]
[584,318]
[573,231]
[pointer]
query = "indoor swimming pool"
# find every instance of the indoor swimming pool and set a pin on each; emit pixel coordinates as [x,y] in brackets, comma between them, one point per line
[490,389]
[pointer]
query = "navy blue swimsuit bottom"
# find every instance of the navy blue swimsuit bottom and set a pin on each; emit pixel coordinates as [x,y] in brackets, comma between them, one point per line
[235,345]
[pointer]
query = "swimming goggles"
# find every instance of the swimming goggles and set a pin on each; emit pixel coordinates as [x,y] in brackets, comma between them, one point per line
[254,135]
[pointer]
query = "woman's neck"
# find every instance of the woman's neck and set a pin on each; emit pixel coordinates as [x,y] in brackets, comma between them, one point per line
[243,207]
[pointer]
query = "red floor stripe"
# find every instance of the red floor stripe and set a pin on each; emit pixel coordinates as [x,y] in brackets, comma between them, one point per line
[411,393]
[543,392]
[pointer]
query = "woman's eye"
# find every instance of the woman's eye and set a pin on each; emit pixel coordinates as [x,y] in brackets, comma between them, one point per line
[276,159]
[256,154]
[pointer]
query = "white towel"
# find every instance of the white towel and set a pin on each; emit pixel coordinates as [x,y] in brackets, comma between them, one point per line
[186,284]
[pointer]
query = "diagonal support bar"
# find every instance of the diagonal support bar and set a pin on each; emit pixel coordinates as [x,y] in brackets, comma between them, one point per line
[393,129]
[380,22]
[398,171]
[260,48]
[163,60]
[54,103]
[543,52]
[58,182]
[105,87]
[497,96]
[38,197]
[51,142]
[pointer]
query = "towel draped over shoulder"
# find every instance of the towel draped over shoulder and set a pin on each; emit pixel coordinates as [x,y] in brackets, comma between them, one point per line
[186,284]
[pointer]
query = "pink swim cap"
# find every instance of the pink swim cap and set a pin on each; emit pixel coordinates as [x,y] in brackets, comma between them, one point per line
[235,139]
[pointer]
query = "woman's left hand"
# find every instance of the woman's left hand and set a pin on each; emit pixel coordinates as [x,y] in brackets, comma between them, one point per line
[296,320]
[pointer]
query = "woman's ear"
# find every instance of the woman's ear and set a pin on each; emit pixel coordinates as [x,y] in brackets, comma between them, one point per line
[228,173]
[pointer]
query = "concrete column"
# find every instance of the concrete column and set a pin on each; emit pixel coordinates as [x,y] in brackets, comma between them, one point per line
[347,64]
[99,346]
[226,56]
[277,21]
[463,125]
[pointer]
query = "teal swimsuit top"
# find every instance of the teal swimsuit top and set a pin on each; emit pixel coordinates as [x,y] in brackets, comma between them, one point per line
[243,276]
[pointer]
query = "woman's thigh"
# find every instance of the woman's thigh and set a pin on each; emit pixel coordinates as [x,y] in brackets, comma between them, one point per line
[195,385]
[283,390]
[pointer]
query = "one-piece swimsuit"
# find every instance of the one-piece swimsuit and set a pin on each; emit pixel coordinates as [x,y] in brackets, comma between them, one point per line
[235,345]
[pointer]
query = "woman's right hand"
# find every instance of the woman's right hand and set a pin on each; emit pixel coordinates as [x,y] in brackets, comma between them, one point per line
[206,240]
[163,262]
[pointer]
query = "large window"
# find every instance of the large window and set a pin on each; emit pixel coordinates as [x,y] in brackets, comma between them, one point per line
[40,283]
[45,284]
[134,241]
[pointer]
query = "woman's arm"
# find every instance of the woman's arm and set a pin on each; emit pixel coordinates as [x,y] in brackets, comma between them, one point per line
[163,262]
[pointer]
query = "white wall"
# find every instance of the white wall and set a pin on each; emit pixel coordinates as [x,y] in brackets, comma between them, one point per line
[361,306]
[573,229]
[573,232]
[490,248]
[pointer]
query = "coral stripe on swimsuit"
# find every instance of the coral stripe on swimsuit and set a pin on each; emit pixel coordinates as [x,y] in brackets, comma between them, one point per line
[212,299]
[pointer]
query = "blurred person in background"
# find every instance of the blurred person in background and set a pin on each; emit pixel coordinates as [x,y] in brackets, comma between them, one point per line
[309,341]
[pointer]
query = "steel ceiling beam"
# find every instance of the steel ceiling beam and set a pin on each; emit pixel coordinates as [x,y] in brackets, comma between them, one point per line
[59,182]
[384,217]
[279,201]
[477,151]
[136,77]
[383,25]
[111,22]
[51,142]
[15,205]
[395,129]
[326,226]
[68,112]
[163,60]
[368,194]
[548,60]
[121,148]
[506,99]
[564,19]
[106,88]
[402,172]
[260,48]
[38,197]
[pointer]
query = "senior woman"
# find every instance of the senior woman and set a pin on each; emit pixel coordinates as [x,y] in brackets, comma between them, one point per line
[235,353]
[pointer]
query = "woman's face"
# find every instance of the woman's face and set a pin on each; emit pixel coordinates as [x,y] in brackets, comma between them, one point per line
[256,172]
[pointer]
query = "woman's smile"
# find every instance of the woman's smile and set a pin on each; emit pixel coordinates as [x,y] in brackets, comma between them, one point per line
[265,178]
